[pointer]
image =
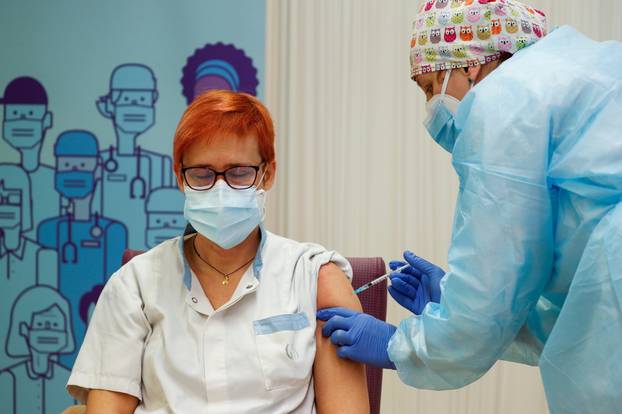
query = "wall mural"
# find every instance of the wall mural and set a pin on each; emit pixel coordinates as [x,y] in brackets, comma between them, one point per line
[64,224]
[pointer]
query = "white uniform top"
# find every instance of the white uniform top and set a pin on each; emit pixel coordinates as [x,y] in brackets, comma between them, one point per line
[155,335]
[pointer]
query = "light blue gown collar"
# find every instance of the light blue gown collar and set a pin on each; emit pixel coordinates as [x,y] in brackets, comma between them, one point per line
[257,263]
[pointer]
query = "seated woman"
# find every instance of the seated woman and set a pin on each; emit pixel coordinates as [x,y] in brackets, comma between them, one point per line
[222,320]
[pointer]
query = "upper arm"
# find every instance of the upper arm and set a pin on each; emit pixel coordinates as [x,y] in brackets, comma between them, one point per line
[334,289]
[340,385]
[109,402]
[501,252]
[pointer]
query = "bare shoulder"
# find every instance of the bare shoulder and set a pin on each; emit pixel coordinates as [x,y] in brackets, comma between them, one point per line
[340,384]
[334,289]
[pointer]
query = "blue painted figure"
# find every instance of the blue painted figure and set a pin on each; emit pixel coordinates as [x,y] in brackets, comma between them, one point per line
[23,263]
[165,215]
[89,246]
[40,330]
[26,120]
[131,172]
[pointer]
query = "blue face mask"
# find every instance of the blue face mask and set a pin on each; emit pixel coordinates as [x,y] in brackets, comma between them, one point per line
[224,215]
[74,184]
[440,122]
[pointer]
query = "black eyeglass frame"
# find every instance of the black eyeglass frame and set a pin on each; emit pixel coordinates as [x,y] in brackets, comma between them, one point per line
[221,174]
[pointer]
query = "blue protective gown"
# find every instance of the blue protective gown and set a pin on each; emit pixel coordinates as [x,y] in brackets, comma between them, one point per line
[535,263]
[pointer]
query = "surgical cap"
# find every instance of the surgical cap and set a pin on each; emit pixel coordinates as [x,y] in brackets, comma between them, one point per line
[25,91]
[451,34]
[132,76]
[76,143]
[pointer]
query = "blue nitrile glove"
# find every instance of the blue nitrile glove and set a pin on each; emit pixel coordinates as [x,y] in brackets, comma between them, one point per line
[416,285]
[359,337]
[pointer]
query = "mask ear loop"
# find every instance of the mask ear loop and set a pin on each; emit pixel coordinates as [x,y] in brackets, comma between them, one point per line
[471,82]
[263,175]
[445,82]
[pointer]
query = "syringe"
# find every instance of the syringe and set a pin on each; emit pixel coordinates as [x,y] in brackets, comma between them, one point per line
[378,280]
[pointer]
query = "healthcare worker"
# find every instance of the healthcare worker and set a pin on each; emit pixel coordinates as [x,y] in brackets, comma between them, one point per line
[535,262]
[26,121]
[40,331]
[130,172]
[90,247]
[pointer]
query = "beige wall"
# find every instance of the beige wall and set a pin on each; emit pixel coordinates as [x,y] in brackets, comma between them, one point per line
[358,173]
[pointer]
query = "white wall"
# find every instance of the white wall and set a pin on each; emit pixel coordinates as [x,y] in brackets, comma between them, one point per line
[358,173]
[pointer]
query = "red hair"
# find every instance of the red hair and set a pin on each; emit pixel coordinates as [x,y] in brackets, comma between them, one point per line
[221,112]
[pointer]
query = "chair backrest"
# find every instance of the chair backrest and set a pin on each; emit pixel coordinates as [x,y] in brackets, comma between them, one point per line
[374,302]
[128,254]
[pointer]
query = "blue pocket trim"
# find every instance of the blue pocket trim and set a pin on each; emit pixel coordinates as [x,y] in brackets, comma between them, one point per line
[287,322]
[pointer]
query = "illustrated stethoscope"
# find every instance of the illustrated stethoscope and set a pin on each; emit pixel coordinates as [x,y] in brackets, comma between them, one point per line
[138,183]
[69,251]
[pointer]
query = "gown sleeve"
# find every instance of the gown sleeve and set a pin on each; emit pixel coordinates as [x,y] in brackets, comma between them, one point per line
[502,248]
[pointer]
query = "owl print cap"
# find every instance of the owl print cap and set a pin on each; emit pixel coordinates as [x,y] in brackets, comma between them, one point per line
[450,34]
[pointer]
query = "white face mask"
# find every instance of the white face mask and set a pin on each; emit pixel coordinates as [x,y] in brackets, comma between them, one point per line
[441,110]
[449,101]
[224,215]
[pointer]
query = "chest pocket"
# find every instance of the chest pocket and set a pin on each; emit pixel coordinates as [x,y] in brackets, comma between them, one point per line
[286,349]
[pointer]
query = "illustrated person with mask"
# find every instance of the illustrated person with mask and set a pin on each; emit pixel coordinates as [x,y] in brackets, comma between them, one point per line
[165,215]
[23,262]
[40,330]
[225,316]
[26,120]
[535,263]
[90,247]
[130,172]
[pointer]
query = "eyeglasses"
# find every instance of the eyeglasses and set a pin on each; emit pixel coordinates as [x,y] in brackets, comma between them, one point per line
[202,178]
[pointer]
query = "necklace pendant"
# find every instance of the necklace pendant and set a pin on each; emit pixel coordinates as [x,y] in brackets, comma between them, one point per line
[225,280]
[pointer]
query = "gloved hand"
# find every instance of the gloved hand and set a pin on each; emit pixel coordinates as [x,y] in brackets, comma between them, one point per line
[416,285]
[359,336]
